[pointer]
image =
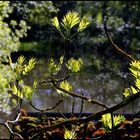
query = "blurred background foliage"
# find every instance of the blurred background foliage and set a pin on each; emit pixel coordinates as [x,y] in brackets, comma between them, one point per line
[44,40]
[10,33]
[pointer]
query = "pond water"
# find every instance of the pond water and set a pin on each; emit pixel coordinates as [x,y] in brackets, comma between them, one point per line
[107,88]
[104,87]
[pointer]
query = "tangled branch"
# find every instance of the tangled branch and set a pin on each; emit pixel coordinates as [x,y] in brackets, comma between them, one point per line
[96,115]
[6,124]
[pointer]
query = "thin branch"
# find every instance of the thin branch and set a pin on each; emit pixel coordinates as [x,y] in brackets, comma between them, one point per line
[56,80]
[115,107]
[82,105]
[45,82]
[62,34]
[11,131]
[14,121]
[8,127]
[112,122]
[62,114]
[126,55]
[62,79]
[96,115]
[48,108]
[73,35]
[137,113]
[73,106]
[80,96]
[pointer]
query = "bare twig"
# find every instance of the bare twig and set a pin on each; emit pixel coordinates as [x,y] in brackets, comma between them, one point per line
[14,121]
[6,124]
[48,108]
[112,121]
[137,113]
[56,80]
[62,114]
[82,105]
[80,96]
[96,115]
[126,55]
[73,106]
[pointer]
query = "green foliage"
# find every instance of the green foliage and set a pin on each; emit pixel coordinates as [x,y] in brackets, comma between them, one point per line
[41,11]
[55,22]
[26,92]
[99,17]
[70,134]
[20,68]
[5,9]
[53,68]
[29,66]
[10,34]
[3,4]
[106,119]
[135,69]
[66,86]
[115,22]
[5,98]
[35,12]
[83,24]
[70,20]
[74,65]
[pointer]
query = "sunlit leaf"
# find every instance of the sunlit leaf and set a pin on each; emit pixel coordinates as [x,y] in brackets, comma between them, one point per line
[83,24]
[13,23]
[17,92]
[25,92]
[107,121]
[70,134]
[70,20]
[21,60]
[55,22]
[52,67]
[74,65]
[10,63]
[134,91]
[137,82]
[61,59]
[65,85]
[127,92]
[14,89]
[135,68]
[28,67]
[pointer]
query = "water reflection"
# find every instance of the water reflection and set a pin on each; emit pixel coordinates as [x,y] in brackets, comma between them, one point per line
[104,87]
